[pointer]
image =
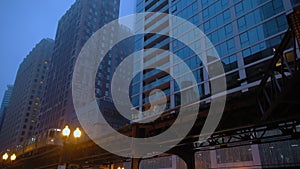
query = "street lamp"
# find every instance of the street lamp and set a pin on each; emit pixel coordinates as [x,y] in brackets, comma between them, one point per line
[66,131]
[120,168]
[77,133]
[5,156]
[67,145]
[13,157]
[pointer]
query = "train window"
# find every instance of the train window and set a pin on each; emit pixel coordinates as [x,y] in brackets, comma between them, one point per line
[51,134]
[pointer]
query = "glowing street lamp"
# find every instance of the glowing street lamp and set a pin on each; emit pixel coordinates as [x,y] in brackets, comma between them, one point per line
[66,131]
[77,133]
[13,157]
[5,156]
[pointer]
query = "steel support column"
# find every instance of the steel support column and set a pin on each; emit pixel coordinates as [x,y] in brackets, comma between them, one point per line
[187,154]
[135,163]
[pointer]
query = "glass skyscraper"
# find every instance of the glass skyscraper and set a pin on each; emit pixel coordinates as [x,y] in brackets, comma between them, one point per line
[244,34]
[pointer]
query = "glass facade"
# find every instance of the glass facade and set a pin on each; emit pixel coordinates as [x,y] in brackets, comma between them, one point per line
[244,33]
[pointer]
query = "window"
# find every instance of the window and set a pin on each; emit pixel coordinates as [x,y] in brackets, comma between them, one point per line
[241,23]
[230,63]
[205,13]
[98,91]
[206,26]
[246,52]
[228,30]
[239,8]
[135,101]
[244,39]
[230,45]
[226,15]
[174,8]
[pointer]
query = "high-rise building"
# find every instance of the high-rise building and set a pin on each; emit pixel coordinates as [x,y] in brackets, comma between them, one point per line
[243,32]
[78,24]
[5,103]
[25,102]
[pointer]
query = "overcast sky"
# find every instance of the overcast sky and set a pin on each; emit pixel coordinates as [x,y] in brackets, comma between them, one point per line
[24,23]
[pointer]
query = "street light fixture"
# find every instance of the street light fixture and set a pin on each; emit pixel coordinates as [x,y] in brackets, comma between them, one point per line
[66,144]
[66,131]
[5,156]
[13,157]
[77,133]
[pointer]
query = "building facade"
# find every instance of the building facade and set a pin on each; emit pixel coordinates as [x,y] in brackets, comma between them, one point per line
[243,32]
[25,103]
[78,24]
[5,102]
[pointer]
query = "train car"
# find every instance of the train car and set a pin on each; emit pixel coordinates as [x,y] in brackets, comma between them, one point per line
[53,137]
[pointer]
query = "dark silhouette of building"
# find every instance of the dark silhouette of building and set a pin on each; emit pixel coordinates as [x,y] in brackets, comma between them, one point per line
[24,105]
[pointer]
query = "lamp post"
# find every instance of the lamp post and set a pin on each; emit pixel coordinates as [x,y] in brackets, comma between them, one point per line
[13,157]
[77,134]
[5,157]
[66,132]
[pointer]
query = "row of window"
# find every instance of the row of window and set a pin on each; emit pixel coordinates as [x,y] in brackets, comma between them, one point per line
[217,21]
[215,9]
[263,31]
[268,10]
[186,12]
